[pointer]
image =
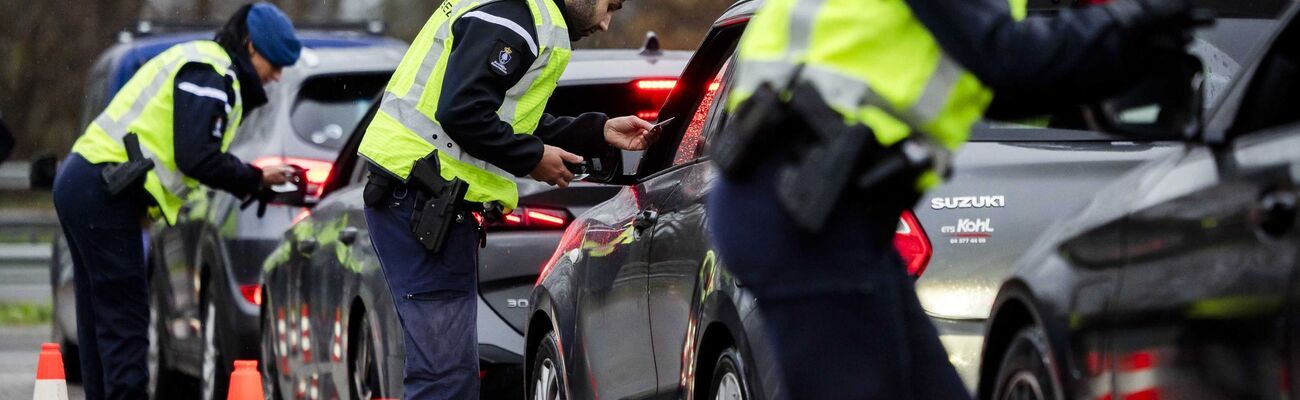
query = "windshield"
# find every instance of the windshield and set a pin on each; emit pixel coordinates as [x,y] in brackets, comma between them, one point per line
[329,107]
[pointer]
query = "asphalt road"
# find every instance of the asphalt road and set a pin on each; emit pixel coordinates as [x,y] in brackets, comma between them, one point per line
[19,349]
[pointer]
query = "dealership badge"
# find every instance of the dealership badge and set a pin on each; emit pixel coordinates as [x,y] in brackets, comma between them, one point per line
[969,231]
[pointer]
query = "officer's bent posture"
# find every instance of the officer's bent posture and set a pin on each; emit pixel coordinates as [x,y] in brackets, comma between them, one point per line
[461,117]
[166,131]
[844,112]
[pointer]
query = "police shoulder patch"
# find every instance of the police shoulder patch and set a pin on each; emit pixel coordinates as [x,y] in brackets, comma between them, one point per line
[504,59]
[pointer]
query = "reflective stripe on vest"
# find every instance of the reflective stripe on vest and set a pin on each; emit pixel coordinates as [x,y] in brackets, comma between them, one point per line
[144,106]
[406,128]
[872,61]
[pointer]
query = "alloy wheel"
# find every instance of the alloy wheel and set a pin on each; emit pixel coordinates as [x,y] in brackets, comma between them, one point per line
[1024,386]
[365,366]
[547,385]
[729,388]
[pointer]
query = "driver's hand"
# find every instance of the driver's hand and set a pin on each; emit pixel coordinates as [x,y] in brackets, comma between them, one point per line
[552,169]
[630,133]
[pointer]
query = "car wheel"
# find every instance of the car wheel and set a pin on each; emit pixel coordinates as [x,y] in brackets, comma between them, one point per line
[728,381]
[269,369]
[215,373]
[1024,372]
[545,384]
[164,383]
[363,366]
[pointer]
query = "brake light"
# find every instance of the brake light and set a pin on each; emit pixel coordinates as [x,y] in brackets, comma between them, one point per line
[656,84]
[1086,3]
[912,244]
[651,94]
[252,294]
[317,171]
[526,218]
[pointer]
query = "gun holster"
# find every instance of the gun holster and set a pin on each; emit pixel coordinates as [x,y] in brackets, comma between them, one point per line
[438,202]
[118,177]
[826,158]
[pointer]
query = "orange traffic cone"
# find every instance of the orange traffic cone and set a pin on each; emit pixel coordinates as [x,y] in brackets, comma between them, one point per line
[245,382]
[51,383]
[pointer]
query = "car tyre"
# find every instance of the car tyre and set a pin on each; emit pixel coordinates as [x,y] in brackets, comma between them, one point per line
[363,364]
[1024,373]
[164,383]
[728,381]
[546,382]
[269,368]
[215,369]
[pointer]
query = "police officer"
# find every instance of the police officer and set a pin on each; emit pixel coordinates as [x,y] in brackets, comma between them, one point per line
[166,131]
[844,112]
[468,100]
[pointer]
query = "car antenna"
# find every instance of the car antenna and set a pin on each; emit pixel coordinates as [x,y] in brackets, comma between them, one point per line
[651,46]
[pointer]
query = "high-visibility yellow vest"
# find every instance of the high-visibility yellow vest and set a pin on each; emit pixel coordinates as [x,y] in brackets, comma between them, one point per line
[872,61]
[406,127]
[144,107]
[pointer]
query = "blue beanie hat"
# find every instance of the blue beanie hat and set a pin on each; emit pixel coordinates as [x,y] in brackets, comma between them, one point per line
[272,34]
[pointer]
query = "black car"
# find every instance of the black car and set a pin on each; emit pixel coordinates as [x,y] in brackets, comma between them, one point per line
[635,304]
[329,324]
[206,269]
[1178,280]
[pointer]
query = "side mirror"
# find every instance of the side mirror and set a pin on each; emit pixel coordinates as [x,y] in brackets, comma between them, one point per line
[1166,104]
[43,169]
[607,168]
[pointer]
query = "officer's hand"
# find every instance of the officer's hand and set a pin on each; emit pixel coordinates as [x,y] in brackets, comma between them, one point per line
[552,170]
[630,133]
[277,174]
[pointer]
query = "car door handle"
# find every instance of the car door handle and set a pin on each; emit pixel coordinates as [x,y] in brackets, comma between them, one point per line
[1277,212]
[307,246]
[348,236]
[645,220]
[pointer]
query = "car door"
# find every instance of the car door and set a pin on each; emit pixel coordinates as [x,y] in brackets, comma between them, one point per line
[679,247]
[1211,254]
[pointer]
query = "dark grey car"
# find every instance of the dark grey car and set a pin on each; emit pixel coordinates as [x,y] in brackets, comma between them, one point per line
[1178,279]
[635,304]
[206,269]
[329,325]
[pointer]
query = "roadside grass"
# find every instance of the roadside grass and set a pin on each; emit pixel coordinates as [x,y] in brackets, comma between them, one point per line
[14,314]
[31,199]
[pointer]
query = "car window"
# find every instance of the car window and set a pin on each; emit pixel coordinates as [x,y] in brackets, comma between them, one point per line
[329,107]
[705,121]
[1274,89]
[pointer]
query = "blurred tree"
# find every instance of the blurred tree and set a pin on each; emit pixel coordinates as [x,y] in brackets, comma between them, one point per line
[47,46]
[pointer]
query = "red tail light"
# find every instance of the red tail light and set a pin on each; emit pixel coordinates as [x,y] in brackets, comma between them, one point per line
[912,244]
[317,171]
[526,218]
[252,294]
[651,94]
[1086,3]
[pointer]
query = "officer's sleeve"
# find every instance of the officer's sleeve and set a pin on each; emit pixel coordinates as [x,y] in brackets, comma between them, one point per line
[583,135]
[488,59]
[1037,64]
[200,100]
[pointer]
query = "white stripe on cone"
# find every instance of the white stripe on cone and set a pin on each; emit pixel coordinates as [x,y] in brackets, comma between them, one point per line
[50,389]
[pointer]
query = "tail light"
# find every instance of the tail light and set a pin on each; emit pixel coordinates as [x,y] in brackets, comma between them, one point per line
[252,294]
[1086,3]
[651,94]
[912,244]
[532,218]
[317,171]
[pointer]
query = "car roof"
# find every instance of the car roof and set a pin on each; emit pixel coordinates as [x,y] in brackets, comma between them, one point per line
[122,60]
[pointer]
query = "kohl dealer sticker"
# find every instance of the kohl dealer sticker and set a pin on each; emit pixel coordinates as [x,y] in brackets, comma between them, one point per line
[969,231]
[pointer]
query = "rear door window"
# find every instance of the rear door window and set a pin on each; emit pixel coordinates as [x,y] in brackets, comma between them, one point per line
[328,108]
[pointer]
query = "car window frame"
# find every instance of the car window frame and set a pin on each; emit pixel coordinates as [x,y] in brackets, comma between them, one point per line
[718,47]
